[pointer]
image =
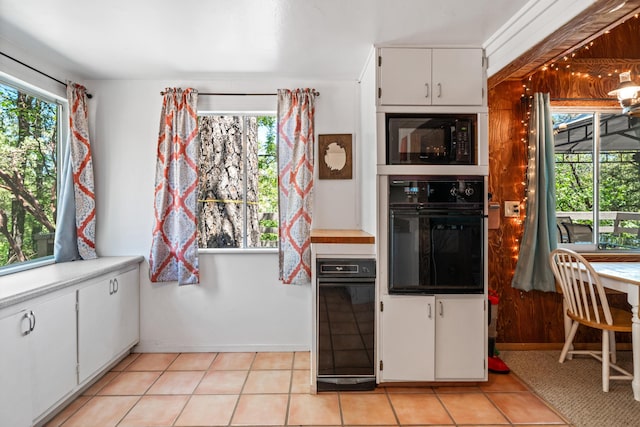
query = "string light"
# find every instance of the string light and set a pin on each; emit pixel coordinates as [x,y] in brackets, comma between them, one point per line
[571,69]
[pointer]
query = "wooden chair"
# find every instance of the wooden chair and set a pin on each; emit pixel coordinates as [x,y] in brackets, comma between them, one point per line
[585,303]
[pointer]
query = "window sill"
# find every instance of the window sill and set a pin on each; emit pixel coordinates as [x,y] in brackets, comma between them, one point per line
[235,251]
[24,266]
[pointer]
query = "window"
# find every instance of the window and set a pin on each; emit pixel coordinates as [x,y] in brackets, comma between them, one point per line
[238,184]
[30,135]
[597,165]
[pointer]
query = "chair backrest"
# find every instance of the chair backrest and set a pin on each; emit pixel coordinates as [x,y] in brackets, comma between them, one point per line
[581,286]
[621,224]
[578,232]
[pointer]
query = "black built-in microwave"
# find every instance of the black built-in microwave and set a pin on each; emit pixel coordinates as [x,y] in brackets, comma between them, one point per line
[431,139]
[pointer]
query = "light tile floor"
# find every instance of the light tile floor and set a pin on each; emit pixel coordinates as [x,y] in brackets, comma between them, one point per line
[272,389]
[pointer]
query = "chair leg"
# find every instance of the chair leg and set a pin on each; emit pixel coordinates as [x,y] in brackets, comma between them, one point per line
[567,325]
[568,341]
[605,361]
[612,346]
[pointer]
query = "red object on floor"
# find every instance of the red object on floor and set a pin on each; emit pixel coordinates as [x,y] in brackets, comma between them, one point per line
[497,366]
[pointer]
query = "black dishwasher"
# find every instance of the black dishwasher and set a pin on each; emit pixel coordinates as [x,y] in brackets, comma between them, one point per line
[346,323]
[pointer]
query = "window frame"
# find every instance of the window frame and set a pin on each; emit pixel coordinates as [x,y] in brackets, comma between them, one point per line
[61,145]
[242,113]
[596,111]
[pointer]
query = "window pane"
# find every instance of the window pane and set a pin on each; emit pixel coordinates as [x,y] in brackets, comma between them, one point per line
[221,169]
[28,175]
[238,196]
[573,143]
[267,182]
[619,181]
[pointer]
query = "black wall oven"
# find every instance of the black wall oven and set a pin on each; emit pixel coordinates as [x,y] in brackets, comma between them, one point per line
[436,234]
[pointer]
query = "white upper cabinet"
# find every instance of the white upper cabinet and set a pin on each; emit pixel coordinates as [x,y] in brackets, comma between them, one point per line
[405,76]
[421,76]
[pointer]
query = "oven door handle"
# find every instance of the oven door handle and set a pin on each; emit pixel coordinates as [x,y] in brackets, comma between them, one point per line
[422,210]
[344,281]
[451,213]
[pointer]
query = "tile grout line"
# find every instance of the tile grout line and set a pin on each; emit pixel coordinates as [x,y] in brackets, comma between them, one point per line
[393,408]
[194,389]
[240,393]
[146,390]
[91,397]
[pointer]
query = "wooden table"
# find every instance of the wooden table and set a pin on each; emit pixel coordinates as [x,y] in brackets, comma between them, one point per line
[625,277]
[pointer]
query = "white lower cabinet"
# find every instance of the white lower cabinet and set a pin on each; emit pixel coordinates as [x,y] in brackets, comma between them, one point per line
[429,338]
[38,359]
[461,338]
[108,321]
[408,332]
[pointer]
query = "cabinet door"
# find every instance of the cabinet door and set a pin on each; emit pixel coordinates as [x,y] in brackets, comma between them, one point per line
[15,383]
[407,325]
[95,327]
[53,352]
[460,343]
[457,77]
[405,76]
[127,309]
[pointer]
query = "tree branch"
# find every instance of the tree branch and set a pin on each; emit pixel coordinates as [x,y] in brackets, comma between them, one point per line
[15,247]
[29,202]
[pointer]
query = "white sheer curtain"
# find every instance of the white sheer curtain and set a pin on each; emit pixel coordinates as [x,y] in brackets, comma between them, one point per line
[533,271]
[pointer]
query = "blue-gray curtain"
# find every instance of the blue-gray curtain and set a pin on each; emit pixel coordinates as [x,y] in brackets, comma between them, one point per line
[539,239]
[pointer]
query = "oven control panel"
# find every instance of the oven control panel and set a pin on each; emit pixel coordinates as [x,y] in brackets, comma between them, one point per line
[436,191]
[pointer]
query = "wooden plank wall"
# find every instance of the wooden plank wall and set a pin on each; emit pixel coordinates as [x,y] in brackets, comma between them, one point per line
[536,317]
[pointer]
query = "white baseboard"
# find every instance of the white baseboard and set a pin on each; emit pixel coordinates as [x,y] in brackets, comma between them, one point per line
[213,348]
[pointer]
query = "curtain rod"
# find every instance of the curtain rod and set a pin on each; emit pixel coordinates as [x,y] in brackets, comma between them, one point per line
[237,94]
[38,71]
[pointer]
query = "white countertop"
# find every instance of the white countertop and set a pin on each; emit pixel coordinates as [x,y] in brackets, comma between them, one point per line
[24,285]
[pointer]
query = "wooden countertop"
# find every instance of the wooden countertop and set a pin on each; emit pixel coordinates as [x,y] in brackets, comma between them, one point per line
[341,236]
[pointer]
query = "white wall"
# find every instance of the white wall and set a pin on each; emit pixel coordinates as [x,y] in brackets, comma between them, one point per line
[240,304]
[367,144]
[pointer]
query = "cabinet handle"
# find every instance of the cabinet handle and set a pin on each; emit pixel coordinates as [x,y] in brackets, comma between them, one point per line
[441,308]
[429,305]
[427,86]
[26,316]
[110,286]
[439,90]
[116,285]
[32,326]
[32,322]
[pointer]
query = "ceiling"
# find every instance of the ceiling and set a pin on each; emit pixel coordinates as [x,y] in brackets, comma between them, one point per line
[193,39]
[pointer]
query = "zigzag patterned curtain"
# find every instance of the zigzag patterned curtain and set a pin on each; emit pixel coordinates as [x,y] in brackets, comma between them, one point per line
[174,248]
[76,222]
[295,181]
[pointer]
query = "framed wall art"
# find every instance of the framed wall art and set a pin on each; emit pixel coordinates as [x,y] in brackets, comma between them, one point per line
[335,156]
